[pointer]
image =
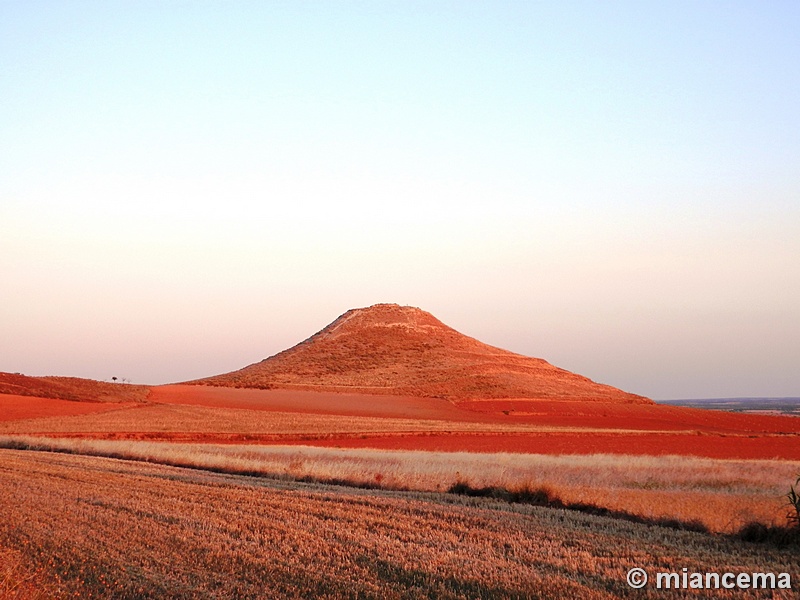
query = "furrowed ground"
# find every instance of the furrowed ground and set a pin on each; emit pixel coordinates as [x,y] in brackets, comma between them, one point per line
[104,528]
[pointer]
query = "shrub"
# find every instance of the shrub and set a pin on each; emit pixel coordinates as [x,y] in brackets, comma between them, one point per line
[794,505]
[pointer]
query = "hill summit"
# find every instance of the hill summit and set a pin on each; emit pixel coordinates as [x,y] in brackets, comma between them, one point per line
[402,350]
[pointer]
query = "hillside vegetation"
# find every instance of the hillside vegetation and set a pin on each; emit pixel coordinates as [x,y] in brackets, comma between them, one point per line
[391,349]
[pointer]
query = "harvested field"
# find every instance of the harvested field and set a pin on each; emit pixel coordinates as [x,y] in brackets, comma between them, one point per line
[101,528]
[723,495]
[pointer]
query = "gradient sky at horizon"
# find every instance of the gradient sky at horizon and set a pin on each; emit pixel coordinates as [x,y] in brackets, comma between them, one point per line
[187,188]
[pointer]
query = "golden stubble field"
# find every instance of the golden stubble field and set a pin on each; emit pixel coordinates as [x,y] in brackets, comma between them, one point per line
[722,495]
[93,527]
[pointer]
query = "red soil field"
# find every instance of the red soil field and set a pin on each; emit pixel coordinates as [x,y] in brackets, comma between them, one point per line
[546,413]
[586,428]
[15,408]
[630,416]
[567,427]
[644,444]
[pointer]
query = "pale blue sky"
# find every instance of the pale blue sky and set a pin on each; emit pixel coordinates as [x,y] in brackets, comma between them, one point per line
[189,187]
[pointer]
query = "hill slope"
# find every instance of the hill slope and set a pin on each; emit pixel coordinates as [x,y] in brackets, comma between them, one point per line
[391,349]
[71,388]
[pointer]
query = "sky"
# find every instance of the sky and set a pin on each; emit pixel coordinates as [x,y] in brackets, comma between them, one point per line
[189,187]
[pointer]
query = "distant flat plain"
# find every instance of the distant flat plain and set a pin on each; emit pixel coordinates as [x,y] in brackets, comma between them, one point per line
[784,406]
